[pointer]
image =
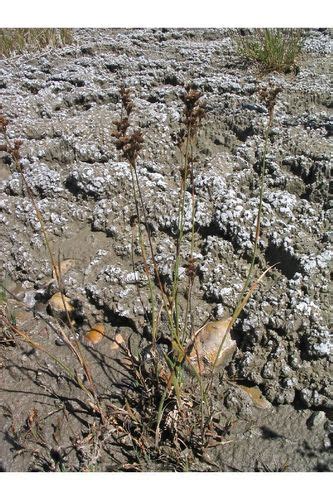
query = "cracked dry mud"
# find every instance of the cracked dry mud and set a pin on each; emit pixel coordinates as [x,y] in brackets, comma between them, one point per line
[61,103]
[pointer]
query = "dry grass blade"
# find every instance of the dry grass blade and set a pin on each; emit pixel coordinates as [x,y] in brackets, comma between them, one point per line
[90,392]
[14,151]
[233,319]
[26,338]
[63,267]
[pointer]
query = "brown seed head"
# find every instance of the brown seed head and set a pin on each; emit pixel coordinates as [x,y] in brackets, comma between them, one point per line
[130,143]
[268,96]
[16,149]
[194,111]
[3,123]
[126,99]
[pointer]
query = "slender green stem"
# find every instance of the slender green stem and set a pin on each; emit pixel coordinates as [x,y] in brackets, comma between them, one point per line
[74,346]
[258,223]
[161,287]
[181,221]
[165,298]
[150,284]
[245,295]
[190,262]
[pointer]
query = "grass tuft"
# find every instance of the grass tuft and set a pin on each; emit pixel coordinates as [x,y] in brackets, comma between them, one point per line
[274,49]
[19,40]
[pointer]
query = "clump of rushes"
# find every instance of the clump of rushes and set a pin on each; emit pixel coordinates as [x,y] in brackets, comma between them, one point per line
[129,142]
[273,49]
[193,113]
[161,404]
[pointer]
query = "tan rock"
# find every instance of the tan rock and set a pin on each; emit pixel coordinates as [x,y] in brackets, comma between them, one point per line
[59,304]
[213,344]
[117,341]
[257,397]
[96,334]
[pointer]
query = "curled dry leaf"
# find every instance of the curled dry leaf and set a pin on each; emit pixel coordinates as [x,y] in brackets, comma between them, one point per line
[59,304]
[62,268]
[207,343]
[95,335]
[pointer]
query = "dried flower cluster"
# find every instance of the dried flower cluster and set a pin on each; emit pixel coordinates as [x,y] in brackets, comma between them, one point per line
[194,111]
[191,268]
[13,150]
[268,96]
[3,130]
[3,124]
[129,142]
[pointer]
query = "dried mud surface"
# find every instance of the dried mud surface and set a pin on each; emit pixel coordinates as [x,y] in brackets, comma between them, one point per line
[61,103]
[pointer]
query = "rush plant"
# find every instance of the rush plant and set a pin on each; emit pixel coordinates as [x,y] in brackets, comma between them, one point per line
[273,49]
